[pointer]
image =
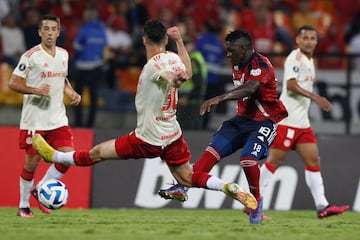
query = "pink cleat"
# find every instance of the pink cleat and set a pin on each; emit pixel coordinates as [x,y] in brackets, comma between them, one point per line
[25,212]
[332,211]
[44,209]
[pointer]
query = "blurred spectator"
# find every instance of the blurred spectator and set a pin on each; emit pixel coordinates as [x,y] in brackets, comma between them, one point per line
[167,18]
[353,38]
[258,20]
[4,8]
[13,40]
[69,11]
[89,48]
[30,27]
[137,15]
[42,6]
[104,8]
[303,15]
[156,7]
[332,43]
[192,92]
[346,10]
[203,11]
[212,48]
[119,49]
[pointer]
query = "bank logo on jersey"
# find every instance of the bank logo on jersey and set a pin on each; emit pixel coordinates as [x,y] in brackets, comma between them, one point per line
[296,69]
[255,72]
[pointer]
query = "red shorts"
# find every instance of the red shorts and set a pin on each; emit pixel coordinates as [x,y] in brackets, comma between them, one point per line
[130,146]
[59,137]
[287,138]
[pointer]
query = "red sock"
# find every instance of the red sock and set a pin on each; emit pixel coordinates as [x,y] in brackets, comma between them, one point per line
[207,160]
[269,167]
[26,175]
[61,167]
[313,169]
[83,159]
[252,172]
[199,179]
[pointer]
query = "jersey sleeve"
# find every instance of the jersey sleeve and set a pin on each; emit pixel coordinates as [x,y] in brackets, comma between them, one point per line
[291,67]
[23,66]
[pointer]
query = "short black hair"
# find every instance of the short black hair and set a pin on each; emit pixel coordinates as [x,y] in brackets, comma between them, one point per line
[240,33]
[155,31]
[49,17]
[307,28]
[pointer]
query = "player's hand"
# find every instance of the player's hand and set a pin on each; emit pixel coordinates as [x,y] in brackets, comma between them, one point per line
[174,33]
[323,103]
[43,90]
[206,106]
[75,99]
[180,78]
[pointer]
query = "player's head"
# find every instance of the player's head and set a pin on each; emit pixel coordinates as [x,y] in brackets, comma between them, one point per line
[239,46]
[307,39]
[155,33]
[49,29]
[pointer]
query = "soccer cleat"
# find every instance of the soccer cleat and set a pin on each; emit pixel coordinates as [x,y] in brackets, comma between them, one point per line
[332,211]
[176,192]
[44,209]
[264,217]
[256,216]
[25,212]
[236,192]
[43,148]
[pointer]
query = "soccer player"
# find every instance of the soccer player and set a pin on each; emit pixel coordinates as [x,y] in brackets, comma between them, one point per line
[158,133]
[295,131]
[253,128]
[41,75]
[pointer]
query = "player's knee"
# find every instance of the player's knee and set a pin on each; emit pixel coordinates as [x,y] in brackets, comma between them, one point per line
[275,162]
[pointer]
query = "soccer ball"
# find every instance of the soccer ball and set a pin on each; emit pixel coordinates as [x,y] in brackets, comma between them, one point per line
[53,194]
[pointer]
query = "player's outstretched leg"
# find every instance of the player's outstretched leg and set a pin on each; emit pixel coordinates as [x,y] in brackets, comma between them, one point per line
[332,211]
[236,192]
[44,209]
[43,148]
[176,192]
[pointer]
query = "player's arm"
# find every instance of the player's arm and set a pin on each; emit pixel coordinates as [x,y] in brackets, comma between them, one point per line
[18,84]
[175,34]
[69,91]
[175,80]
[293,86]
[248,89]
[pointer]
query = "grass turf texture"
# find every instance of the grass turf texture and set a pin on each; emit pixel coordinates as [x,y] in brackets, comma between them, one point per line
[174,224]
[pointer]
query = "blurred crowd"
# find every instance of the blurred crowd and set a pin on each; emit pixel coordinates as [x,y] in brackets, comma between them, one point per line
[272,24]
[204,23]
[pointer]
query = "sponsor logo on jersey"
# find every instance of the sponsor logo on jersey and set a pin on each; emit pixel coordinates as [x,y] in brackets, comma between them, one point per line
[255,72]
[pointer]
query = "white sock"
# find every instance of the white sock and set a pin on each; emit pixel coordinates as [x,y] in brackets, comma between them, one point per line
[265,178]
[315,183]
[52,173]
[64,157]
[25,188]
[215,183]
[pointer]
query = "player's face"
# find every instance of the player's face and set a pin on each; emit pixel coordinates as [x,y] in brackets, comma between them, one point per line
[49,32]
[235,50]
[307,41]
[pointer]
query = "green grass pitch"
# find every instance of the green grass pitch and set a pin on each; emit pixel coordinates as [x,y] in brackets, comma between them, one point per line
[175,224]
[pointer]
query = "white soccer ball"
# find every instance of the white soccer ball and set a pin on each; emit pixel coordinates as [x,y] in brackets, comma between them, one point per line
[53,194]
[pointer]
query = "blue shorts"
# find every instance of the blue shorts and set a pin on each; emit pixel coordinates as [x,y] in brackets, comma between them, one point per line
[253,137]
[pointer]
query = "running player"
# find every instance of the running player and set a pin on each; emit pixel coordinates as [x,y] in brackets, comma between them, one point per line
[295,131]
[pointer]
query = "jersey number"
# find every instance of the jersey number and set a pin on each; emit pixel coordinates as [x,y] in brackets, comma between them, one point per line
[171,101]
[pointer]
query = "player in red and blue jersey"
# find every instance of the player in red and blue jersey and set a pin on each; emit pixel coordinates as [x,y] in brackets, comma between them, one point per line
[253,128]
